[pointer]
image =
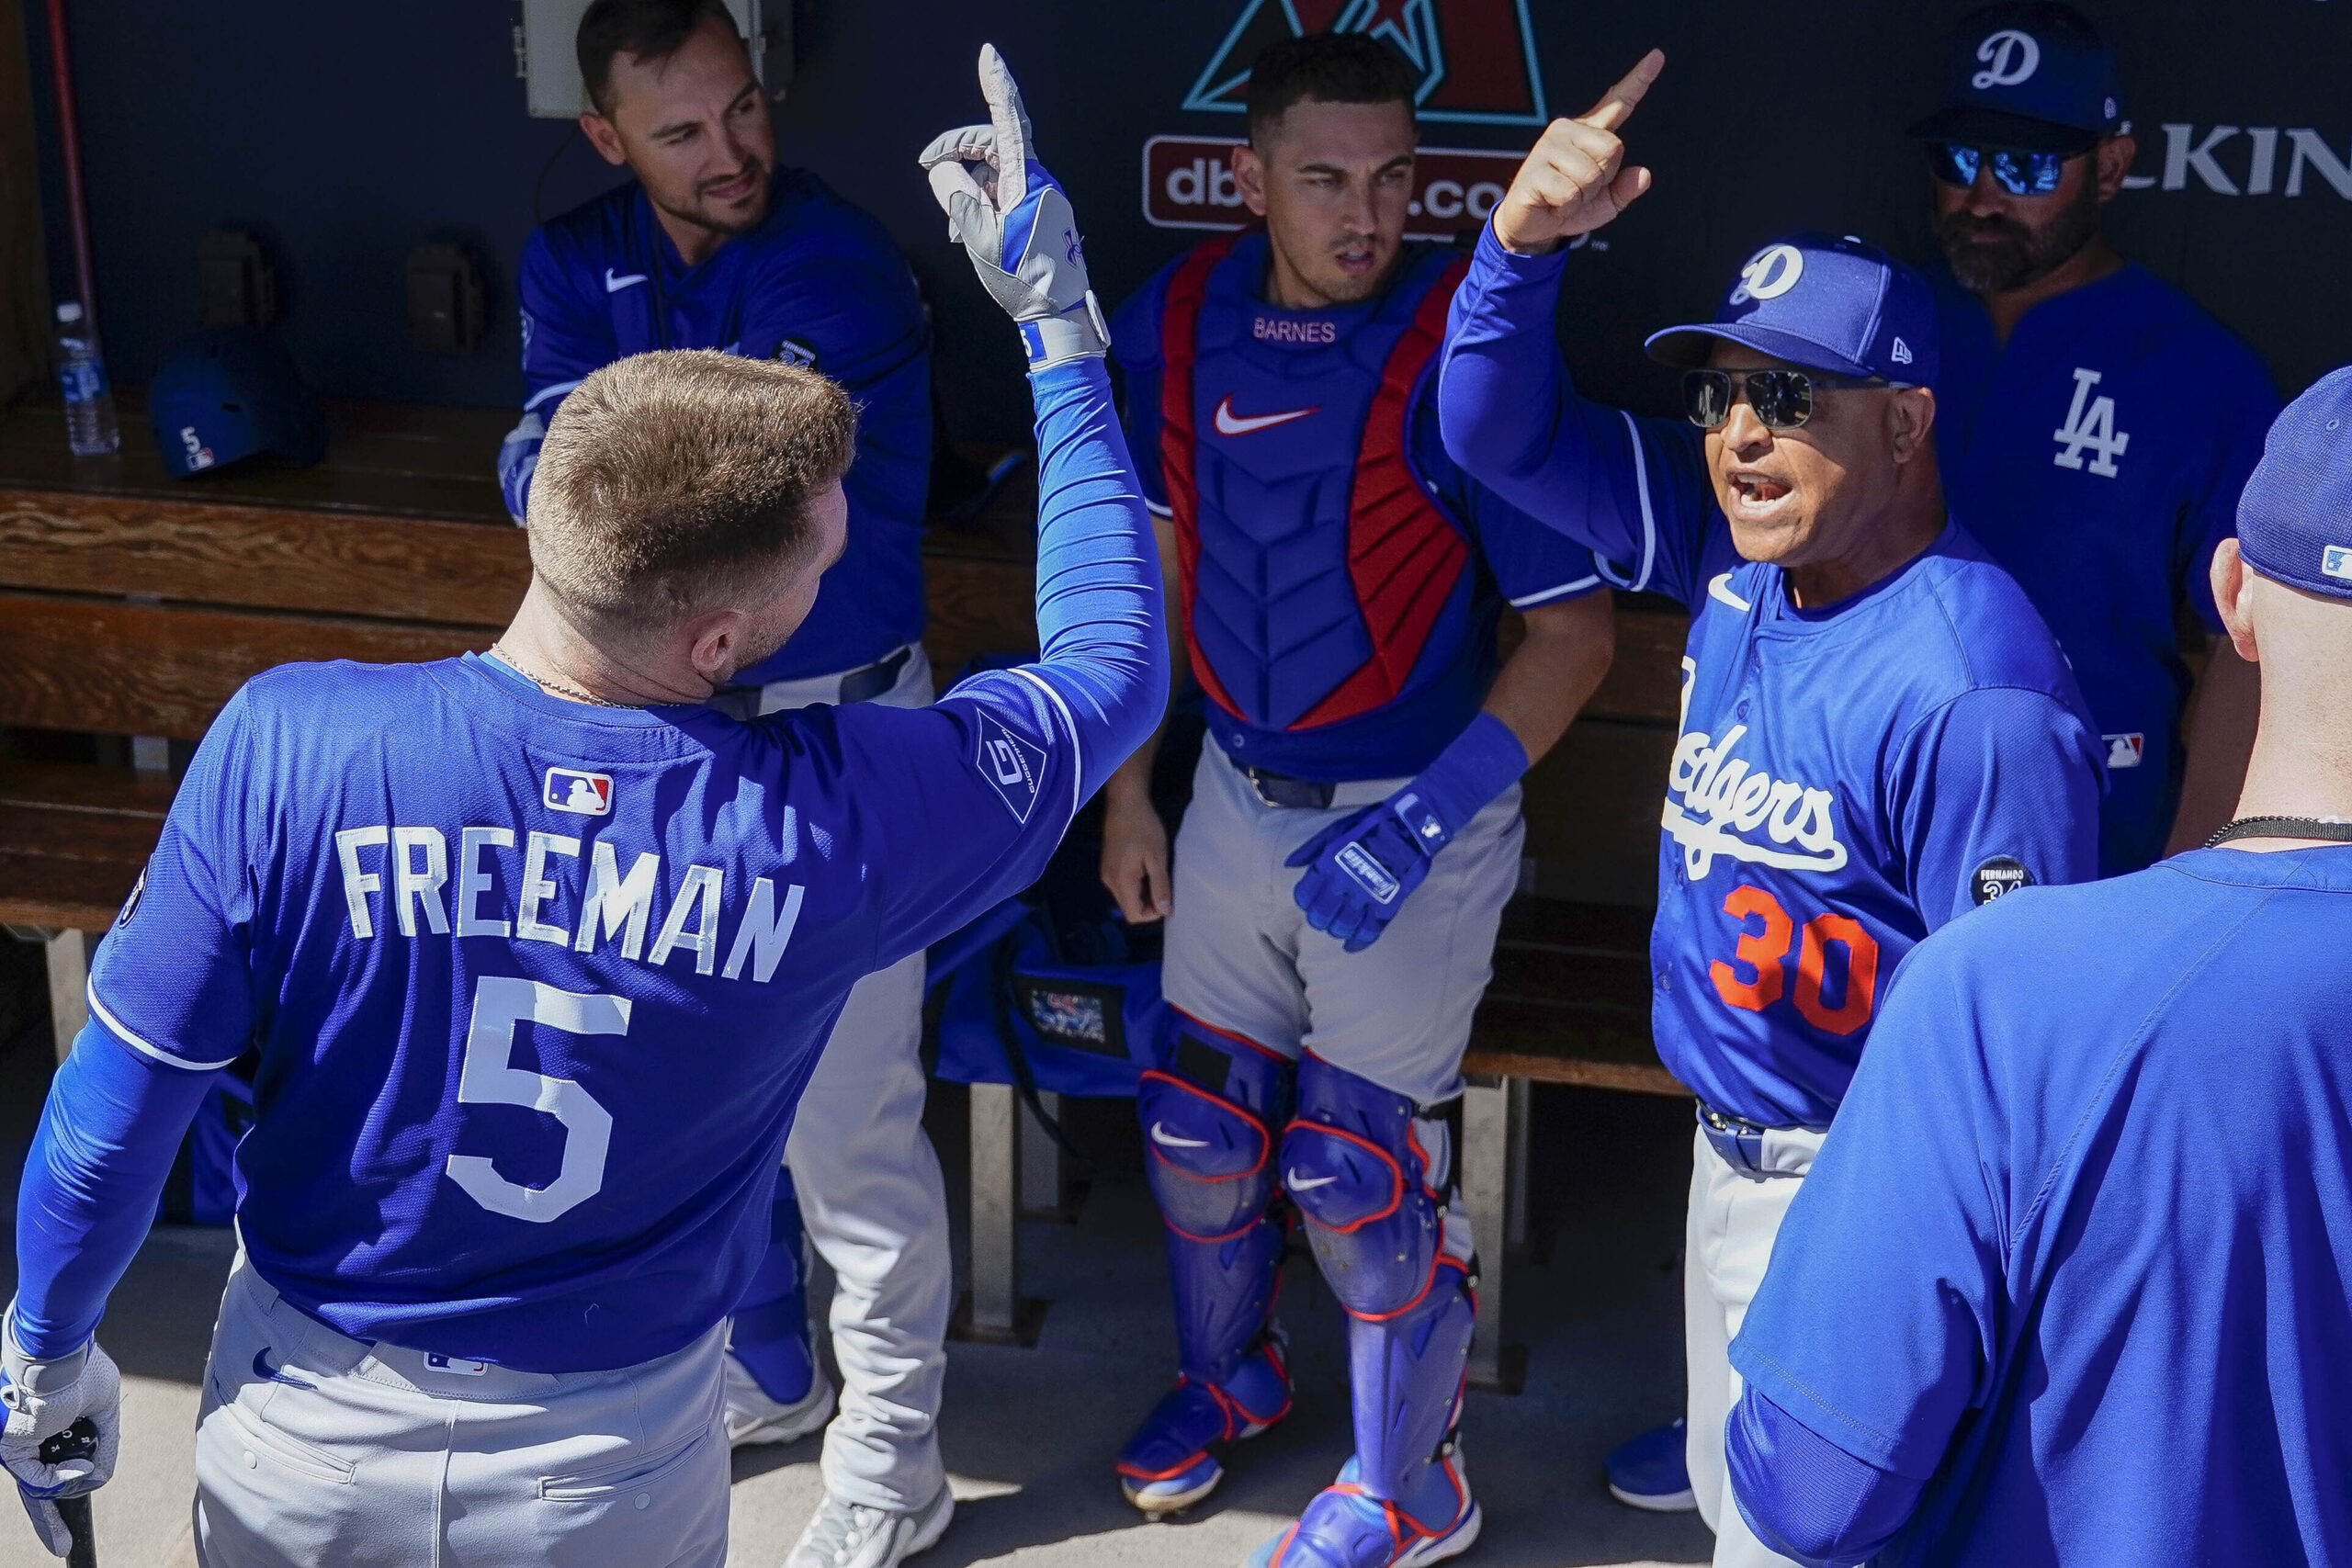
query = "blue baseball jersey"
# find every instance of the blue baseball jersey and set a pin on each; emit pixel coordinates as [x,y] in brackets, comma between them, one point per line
[535,986]
[819,284]
[1342,575]
[2099,457]
[2086,1222]
[1846,779]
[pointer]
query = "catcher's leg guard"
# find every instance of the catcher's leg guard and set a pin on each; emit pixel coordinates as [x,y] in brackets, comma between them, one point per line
[1209,1120]
[1371,1175]
[771,1336]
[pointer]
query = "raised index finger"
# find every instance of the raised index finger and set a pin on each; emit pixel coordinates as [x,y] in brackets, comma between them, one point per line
[1616,106]
[1011,123]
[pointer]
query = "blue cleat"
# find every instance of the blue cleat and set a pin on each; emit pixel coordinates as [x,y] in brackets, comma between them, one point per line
[1651,1472]
[1346,1527]
[1169,1464]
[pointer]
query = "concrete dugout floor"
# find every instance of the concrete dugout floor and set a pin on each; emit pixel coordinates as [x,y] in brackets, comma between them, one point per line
[1029,1435]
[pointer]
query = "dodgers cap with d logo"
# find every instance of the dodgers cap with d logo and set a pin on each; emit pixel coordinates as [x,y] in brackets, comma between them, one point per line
[2033,76]
[1823,303]
[2295,513]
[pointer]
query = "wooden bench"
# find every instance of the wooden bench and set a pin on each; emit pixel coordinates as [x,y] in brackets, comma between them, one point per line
[132,605]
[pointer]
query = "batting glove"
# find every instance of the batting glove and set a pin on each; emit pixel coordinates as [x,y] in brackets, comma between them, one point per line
[1013,221]
[43,1399]
[1361,869]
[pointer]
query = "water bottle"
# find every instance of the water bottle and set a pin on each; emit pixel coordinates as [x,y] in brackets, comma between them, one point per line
[89,407]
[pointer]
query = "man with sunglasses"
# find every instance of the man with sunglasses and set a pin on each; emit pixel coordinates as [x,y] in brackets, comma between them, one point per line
[1878,732]
[2094,426]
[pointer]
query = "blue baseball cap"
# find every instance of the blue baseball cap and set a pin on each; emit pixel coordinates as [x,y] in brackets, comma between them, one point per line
[2295,513]
[1823,303]
[231,392]
[2033,76]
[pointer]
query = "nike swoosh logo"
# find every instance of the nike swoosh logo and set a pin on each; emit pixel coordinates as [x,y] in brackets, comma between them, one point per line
[613,282]
[1231,423]
[1719,588]
[1160,1135]
[1298,1183]
[263,1370]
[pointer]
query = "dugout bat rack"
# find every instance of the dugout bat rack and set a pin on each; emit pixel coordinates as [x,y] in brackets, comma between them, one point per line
[133,605]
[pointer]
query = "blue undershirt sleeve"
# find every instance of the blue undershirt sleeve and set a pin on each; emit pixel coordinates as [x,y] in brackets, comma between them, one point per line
[1806,1499]
[562,343]
[1098,617]
[106,1141]
[1634,492]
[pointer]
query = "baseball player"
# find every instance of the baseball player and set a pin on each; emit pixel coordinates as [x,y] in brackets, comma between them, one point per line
[2067,447]
[2099,1164]
[714,246]
[538,952]
[1342,580]
[1878,733]
[2067,444]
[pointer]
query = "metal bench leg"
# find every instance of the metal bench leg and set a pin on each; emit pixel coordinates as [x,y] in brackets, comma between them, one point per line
[1045,1191]
[995,1312]
[1523,1093]
[68,983]
[1487,1106]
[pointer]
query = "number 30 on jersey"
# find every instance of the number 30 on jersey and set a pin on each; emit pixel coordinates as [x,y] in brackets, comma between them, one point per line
[1756,977]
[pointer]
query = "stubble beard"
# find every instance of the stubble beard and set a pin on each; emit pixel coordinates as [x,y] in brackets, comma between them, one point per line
[2020,256]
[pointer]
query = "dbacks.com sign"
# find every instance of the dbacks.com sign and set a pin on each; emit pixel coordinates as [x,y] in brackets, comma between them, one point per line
[1474,63]
[1188,183]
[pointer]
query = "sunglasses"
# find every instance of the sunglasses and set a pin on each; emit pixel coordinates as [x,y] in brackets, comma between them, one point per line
[1782,398]
[2019,174]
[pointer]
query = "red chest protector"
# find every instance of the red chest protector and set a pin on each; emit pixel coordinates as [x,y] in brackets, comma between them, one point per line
[1394,553]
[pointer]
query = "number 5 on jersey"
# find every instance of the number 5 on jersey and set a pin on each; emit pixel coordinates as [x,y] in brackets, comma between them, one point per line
[488,1077]
[1764,953]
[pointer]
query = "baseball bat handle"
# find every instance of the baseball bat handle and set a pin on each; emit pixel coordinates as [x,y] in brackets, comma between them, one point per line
[83,1552]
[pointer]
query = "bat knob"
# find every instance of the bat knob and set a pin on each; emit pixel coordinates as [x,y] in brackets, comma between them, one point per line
[78,1441]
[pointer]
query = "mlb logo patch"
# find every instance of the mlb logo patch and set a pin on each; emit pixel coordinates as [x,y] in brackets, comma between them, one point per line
[2335,561]
[2124,750]
[457,1365]
[582,794]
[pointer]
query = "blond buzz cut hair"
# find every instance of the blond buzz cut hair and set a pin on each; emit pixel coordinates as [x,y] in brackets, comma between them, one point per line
[671,484]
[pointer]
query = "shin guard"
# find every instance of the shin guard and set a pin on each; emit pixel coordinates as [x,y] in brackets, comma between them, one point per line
[771,1334]
[1372,1176]
[1210,1117]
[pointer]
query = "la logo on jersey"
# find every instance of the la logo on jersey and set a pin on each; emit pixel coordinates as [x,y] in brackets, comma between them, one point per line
[582,794]
[2090,425]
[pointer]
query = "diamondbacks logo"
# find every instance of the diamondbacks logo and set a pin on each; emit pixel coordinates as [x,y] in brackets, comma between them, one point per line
[2090,424]
[582,794]
[1474,59]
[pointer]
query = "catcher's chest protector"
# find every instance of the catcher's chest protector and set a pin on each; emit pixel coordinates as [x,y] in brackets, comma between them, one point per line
[1314,562]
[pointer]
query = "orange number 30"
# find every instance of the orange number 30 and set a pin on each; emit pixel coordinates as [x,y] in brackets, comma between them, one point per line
[1764,953]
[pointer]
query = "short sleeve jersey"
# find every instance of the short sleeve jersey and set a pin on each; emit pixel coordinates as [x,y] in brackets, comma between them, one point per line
[1285,363]
[535,986]
[819,284]
[2098,457]
[1847,778]
[2086,1222]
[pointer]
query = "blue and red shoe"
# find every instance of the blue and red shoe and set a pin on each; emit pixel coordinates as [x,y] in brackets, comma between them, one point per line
[1171,1463]
[1343,1527]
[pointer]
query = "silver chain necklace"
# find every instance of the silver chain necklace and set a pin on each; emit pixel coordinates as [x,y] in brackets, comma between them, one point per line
[499,651]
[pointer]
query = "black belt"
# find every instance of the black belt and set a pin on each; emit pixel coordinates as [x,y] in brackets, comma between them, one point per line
[1277,789]
[865,684]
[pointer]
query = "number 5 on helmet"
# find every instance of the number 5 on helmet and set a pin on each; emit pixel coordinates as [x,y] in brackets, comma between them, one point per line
[1013,221]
